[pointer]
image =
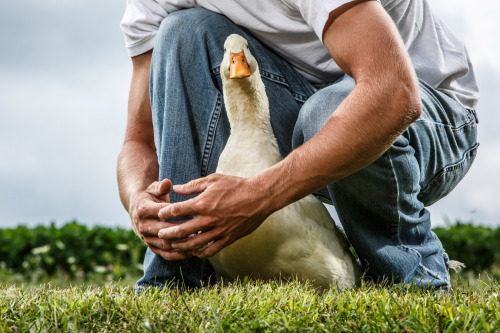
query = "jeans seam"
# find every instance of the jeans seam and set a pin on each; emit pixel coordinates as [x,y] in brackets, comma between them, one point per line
[433,94]
[453,167]
[281,80]
[214,119]
[466,155]
[469,123]
[395,224]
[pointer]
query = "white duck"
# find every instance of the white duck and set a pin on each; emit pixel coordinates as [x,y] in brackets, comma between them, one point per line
[299,240]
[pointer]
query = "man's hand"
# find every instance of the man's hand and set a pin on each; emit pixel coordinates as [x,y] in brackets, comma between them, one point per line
[227,209]
[144,209]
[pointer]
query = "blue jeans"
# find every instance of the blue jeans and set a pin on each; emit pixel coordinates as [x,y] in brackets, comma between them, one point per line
[381,207]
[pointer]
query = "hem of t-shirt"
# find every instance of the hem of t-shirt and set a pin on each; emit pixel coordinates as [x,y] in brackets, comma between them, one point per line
[141,47]
[329,6]
[322,18]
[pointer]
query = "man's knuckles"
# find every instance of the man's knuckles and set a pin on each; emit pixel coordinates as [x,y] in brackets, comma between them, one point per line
[154,242]
[150,209]
[204,206]
[148,228]
[142,210]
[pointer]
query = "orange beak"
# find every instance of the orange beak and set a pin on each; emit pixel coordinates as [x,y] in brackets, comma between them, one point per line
[238,68]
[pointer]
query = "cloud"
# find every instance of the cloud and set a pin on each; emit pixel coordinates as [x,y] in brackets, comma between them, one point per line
[63,90]
[64,79]
[59,143]
[476,24]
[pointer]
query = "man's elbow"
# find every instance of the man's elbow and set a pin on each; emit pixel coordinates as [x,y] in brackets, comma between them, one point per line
[413,107]
[406,102]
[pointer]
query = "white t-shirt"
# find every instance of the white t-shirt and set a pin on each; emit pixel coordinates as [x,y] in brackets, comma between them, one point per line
[294,28]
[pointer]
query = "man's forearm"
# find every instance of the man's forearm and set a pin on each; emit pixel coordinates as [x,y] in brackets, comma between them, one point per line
[137,162]
[137,169]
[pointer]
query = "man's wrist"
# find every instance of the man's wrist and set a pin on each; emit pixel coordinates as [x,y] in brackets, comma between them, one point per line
[273,188]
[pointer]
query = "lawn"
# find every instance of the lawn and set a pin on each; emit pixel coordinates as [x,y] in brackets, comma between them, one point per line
[472,306]
[64,279]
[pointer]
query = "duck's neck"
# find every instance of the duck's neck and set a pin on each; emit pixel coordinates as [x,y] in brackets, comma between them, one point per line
[246,103]
[248,111]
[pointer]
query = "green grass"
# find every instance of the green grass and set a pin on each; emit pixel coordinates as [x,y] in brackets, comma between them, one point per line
[250,306]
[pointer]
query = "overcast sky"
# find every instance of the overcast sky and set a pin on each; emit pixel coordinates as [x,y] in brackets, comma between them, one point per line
[64,79]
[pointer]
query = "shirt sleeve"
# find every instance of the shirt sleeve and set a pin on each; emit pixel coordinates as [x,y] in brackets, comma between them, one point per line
[140,25]
[316,12]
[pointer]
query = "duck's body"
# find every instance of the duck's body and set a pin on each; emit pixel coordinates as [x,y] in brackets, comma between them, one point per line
[299,240]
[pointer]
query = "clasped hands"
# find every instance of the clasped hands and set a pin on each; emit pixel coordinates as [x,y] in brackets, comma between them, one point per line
[225,209]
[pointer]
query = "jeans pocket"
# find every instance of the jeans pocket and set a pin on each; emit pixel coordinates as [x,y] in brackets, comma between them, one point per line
[448,178]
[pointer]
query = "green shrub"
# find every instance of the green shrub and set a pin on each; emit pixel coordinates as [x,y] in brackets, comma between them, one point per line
[73,250]
[77,252]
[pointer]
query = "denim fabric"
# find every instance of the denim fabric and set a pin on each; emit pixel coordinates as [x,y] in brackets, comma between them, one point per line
[381,206]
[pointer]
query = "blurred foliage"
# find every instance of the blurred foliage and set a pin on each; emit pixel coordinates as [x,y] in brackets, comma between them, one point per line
[478,247]
[73,251]
[78,253]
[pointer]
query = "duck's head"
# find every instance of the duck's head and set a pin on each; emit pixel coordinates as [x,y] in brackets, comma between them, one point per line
[238,62]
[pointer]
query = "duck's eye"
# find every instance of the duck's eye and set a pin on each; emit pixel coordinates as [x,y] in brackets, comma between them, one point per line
[224,49]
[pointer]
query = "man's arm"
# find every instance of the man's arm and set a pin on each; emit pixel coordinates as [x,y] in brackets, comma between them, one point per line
[364,42]
[141,194]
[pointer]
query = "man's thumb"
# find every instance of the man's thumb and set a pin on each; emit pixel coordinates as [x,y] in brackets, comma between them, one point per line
[160,188]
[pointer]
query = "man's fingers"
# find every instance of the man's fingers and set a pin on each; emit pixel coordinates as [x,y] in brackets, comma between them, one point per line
[178,209]
[181,230]
[150,209]
[150,228]
[195,242]
[171,255]
[160,188]
[158,243]
[210,250]
[195,186]
[205,250]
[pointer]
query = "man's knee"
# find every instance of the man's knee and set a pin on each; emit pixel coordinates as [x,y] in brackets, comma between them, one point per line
[185,28]
[318,108]
[183,22]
